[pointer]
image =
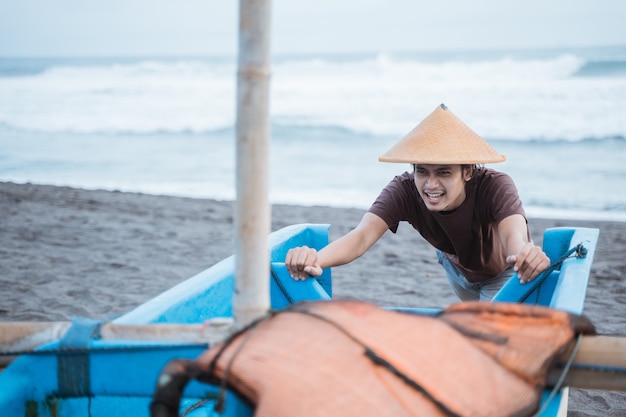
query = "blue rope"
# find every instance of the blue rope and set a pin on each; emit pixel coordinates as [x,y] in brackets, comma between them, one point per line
[580,252]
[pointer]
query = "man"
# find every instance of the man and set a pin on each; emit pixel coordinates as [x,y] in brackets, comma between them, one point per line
[471,215]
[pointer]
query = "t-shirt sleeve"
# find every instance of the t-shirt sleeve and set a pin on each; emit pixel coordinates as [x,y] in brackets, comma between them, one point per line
[393,202]
[504,196]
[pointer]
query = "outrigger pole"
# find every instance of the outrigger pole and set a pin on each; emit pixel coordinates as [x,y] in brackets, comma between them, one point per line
[252,214]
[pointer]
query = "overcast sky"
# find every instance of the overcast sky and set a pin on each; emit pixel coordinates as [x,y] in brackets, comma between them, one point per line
[192,27]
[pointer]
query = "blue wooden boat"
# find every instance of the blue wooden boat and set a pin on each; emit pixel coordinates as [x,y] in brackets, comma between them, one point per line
[83,375]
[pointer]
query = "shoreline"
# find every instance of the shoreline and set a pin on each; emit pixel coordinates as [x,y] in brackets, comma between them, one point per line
[67,252]
[532,212]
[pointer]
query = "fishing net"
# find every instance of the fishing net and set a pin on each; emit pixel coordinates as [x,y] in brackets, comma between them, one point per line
[351,358]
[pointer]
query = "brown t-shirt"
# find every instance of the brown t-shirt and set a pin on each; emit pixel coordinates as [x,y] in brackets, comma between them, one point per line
[469,234]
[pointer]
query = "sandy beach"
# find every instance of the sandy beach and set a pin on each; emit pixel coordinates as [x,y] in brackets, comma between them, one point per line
[68,252]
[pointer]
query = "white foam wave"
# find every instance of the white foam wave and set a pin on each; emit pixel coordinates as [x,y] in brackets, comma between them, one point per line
[502,98]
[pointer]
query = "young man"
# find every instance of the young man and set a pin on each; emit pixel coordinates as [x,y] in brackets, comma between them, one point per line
[471,215]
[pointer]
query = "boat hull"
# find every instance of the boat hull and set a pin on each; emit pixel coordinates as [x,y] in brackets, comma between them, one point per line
[83,376]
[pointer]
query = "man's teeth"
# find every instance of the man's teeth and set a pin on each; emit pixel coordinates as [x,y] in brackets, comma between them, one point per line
[434,195]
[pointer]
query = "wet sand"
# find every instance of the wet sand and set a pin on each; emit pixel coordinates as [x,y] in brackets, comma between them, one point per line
[68,252]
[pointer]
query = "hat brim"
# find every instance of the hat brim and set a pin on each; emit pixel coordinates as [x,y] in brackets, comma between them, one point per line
[442,138]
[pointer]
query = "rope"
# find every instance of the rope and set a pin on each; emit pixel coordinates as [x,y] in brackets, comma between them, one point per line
[220,403]
[281,286]
[580,252]
[559,383]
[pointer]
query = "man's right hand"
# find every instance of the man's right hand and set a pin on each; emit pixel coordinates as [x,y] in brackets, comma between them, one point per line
[302,262]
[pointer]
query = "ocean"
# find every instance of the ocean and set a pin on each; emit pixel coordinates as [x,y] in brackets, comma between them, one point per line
[166,125]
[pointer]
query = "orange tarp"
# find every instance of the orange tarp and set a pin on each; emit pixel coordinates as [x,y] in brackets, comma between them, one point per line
[474,359]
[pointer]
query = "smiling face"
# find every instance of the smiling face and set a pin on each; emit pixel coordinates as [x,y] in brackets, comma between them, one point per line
[442,187]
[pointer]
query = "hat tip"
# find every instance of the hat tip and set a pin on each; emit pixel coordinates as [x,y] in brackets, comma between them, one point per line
[443,106]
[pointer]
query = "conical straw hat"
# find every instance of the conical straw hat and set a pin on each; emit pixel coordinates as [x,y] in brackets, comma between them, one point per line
[442,138]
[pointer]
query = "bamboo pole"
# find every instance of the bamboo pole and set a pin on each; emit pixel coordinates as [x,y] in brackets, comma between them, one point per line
[24,337]
[592,365]
[252,215]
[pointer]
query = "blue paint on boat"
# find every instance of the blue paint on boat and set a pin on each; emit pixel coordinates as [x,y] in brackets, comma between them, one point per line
[118,378]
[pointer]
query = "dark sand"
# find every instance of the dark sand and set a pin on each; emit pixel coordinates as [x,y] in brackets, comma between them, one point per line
[68,252]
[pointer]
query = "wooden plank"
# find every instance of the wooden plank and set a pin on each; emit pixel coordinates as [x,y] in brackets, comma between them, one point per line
[27,336]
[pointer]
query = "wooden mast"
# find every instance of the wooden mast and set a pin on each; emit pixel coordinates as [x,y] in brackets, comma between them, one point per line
[252,213]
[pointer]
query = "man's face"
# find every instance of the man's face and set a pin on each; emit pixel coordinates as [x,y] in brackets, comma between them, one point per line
[442,187]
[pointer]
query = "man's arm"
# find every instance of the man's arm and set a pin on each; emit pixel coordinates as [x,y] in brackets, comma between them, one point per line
[527,259]
[303,261]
